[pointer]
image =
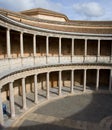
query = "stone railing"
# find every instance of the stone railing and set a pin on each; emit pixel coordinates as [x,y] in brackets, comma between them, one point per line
[15,64]
[104,59]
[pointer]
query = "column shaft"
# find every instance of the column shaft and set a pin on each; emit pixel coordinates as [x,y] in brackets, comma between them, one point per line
[85,50]
[1,110]
[24,93]
[11,93]
[97,80]
[60,83]
[111,53]
[47,80]
[98,54]
[21,45]
[47,46]
[72,53]
[47,49]
[35,89]
[84,80]
[59,49]
[110,81]
[8,44]
[72,80]
[34,45]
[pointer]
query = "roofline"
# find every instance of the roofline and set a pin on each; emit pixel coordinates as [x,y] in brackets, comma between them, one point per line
[49,30]
[44,11]
[70,22]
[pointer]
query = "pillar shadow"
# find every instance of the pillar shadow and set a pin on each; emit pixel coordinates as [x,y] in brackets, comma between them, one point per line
[91,108]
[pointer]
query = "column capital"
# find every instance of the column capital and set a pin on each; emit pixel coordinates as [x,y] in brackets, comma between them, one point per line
[34,34]
[21,32]
[8,29]
[86,39]
[35,74]
[24,77]
[11,81]
[98,69]
[47,37]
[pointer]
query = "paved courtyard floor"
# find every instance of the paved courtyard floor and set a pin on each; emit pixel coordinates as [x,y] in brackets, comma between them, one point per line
[73,112]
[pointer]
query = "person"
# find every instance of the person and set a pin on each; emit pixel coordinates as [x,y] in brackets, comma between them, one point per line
[1,127]
[4,108]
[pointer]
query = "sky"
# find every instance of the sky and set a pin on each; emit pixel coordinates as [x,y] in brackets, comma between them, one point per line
[74,9]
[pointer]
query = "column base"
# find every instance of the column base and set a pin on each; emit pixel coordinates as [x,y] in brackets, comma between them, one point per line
[24,109]
[84,91]
[110,90]
[60,94]
[13,117]
[97,89]
[71,92]
[48,97]
[36,102]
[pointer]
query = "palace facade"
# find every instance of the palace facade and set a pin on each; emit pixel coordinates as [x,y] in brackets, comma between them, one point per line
[42,49]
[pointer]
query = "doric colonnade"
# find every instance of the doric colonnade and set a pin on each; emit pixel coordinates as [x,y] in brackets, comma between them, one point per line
[23,78]
[8,45]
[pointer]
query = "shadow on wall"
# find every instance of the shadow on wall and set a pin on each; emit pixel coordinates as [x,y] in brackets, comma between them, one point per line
[72,113]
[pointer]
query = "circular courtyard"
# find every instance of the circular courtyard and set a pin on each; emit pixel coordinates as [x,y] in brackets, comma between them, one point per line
[76,112]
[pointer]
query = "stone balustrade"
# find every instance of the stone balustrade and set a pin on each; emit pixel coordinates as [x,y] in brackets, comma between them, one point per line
[14,64]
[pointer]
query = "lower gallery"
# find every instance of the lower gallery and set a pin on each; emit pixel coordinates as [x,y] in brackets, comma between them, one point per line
[42,49]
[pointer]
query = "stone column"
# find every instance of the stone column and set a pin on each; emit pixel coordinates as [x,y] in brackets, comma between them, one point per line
[35,89]
[85,80]
[98,54]
[24,93]
[11,93]
[85,49]
[111,53]
[59,49]
[21,44]
[47,82]
[34,45]
[60,83]
[97,80]
[8,43]
[72,80]
[1,110]
[110,81]
[72,49]
[47,49]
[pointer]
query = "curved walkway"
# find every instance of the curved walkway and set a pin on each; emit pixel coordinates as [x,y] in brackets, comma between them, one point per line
[75,112]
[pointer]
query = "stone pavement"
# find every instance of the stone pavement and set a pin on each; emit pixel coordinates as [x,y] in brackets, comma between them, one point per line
[79,111]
